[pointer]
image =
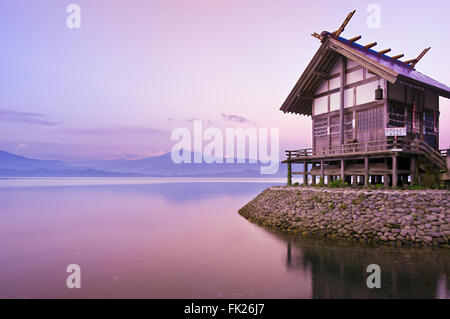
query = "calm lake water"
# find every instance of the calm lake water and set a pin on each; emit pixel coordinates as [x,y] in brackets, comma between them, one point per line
[141,238]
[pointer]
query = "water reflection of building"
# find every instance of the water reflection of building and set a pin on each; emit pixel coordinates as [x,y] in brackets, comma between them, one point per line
[339,271]
[443,291]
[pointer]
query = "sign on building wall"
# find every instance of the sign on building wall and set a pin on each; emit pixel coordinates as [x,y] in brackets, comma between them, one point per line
[395,131]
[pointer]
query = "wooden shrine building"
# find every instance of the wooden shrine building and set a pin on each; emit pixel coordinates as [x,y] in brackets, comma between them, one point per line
[375,119]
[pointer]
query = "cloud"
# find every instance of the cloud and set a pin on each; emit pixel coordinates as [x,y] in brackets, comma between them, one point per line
[236,118]
[191,120]
[25,117]
[118,130]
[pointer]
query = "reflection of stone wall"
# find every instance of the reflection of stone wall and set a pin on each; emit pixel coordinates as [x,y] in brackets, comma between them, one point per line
[420,218]
[340,272]
[339,269]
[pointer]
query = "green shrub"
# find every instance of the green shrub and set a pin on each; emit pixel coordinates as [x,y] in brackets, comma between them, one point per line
[337,184]
[438,186]
[415,186]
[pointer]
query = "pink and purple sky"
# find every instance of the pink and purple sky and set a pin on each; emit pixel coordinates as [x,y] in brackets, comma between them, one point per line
[137,69]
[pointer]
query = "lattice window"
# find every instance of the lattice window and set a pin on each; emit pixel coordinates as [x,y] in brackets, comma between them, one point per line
[370,119]
[430,122]
[396,115]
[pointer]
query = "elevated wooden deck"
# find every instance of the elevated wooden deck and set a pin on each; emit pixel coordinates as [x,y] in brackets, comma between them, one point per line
[370,149]
[365,159]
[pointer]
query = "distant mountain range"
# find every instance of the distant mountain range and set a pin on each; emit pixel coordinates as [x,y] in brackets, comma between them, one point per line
[12,165]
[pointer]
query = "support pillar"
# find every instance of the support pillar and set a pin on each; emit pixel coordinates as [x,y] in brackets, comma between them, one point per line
[305,173]
[322,171]
[343,170]
[413,170]
[394,172]
[366,171]
[342,101]
[289,173]
[386,180]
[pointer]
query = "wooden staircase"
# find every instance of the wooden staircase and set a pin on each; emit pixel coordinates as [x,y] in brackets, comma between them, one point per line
[431,160]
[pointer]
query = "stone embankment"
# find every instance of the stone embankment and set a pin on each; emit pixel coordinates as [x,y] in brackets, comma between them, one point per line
[419,217]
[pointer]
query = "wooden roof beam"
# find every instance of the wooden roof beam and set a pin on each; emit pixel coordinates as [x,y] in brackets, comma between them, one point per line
[384,51]
[370,45]
[321,74]
[399,56]
[344,24]
[305,96]
[355,39]
[410,61]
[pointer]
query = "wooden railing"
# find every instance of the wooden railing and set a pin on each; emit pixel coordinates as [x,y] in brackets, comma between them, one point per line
[399,144]
[349,148]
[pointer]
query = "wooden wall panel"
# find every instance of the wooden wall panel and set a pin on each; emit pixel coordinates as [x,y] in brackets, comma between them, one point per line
[396,92]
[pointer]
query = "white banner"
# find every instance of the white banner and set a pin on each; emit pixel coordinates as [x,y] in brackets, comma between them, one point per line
[395,131]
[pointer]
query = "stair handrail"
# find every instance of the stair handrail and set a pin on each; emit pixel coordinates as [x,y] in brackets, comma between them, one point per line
[431,153]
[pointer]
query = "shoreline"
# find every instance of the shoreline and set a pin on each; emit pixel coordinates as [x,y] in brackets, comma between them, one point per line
[17,182]
[419,218]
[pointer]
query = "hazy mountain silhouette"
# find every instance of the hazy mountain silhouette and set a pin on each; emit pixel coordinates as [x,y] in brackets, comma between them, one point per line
[16,162]
[158,166]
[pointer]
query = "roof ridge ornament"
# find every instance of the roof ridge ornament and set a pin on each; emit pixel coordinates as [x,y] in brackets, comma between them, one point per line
[413,62]
[336,34]
[344,24]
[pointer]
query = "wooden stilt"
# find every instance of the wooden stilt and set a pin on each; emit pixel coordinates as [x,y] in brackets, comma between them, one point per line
[366,171]
[289,174]
[343,170]
[305,173]
[322,171]
[394,172]
[413,170]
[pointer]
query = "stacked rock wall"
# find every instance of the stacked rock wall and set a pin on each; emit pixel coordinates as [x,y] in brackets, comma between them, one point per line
[418,218]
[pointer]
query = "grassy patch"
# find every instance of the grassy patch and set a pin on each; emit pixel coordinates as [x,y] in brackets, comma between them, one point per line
[338,184]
